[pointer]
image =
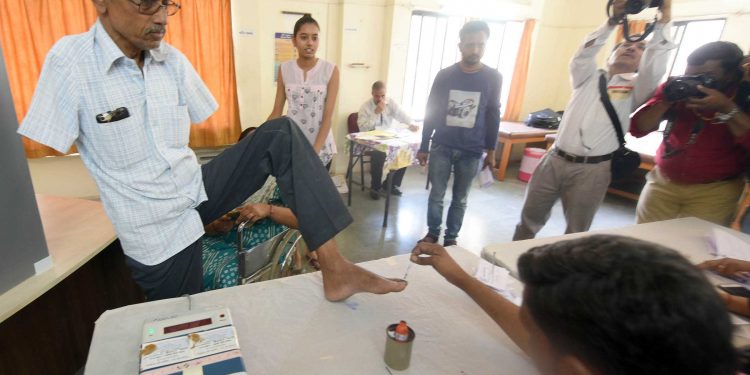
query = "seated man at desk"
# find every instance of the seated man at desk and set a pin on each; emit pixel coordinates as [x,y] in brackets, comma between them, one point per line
[606,305]
[127,100]
[378,113]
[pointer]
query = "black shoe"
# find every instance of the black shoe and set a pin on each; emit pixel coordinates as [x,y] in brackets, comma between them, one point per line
[394,189]
[429,238]
[447,243]
[376,193]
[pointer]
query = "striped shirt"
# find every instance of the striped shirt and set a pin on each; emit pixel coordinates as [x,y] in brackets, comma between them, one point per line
[149,179]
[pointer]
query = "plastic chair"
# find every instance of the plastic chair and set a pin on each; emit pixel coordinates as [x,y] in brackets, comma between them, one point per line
[359,156]
[280,256]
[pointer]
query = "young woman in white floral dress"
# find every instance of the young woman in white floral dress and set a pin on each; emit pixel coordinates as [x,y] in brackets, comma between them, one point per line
[309,85]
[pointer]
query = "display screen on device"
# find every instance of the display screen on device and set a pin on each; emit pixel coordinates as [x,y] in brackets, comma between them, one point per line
[188,325]
[735,290]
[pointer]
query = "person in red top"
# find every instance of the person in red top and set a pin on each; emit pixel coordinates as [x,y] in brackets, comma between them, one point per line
[706,147]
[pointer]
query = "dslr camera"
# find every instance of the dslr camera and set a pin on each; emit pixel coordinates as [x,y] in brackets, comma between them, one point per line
[685,87]
[634,7]
[637,6]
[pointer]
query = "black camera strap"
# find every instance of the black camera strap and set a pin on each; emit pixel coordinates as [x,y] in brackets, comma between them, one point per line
[670,151]
[604,96]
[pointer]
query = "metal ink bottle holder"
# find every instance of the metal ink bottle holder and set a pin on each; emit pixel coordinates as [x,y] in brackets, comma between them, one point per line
[398,352]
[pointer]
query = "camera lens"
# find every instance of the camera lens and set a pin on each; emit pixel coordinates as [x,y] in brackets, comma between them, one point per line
[677,91]
[634,6]
[685,87]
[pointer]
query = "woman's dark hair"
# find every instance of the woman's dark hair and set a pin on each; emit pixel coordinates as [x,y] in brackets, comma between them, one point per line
[626,306]
[307,18]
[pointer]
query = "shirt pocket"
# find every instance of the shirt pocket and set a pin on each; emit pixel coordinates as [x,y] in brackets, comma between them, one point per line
[120,144]
[172,124]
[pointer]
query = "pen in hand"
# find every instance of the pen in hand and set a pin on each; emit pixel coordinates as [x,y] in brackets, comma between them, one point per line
[407,269]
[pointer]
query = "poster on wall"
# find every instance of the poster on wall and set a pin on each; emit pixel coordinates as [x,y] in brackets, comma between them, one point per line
[285,51]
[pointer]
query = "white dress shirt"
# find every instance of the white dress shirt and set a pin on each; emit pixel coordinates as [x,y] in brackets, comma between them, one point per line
[149,179]
[368,120]
[586,129]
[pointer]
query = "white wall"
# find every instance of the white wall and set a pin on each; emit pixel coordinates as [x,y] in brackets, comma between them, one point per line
[356,24]
[254,24]
[376,32]
[564,24]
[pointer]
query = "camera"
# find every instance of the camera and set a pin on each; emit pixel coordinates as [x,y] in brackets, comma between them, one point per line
[685,87]
[634,7]
[637,6]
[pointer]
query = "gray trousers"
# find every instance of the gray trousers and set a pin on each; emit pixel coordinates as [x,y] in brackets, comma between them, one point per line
[277,148]
[581,188]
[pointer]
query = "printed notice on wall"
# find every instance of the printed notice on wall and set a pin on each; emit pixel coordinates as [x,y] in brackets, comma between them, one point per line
[285,51]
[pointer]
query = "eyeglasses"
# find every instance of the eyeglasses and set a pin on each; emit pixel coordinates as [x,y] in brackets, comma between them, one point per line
[151,7]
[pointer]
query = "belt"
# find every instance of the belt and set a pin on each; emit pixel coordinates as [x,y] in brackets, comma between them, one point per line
[582,159]
[725,179]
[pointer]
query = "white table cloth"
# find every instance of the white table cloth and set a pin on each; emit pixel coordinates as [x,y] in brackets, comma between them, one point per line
[686,235]
[285,326]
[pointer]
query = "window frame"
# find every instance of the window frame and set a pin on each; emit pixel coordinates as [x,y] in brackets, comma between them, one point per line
[684,24]
[410,91]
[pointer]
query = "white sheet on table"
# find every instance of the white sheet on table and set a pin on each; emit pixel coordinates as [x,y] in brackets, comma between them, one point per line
[286,326]
[497,278]
[725,245]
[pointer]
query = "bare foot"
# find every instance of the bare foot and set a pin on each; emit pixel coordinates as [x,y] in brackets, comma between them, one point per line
[347,279]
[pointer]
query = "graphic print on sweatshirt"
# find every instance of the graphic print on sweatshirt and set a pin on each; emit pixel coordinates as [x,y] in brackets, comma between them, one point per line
[462,108]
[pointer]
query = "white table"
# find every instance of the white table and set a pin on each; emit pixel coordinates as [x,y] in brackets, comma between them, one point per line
[286,327]
[685,235]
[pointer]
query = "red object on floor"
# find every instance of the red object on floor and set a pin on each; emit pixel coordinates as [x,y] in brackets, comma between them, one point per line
[531,158]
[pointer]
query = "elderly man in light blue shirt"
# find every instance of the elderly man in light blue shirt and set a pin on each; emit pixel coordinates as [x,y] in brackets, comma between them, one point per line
[127,100]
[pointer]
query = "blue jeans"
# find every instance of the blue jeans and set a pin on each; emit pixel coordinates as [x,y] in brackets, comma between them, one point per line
[464,165]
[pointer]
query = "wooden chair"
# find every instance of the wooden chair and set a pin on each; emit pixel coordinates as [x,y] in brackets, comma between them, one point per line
[359,157]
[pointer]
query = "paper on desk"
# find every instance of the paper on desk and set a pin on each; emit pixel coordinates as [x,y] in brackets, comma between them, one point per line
[375,135]
[496,278]
[725,245]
